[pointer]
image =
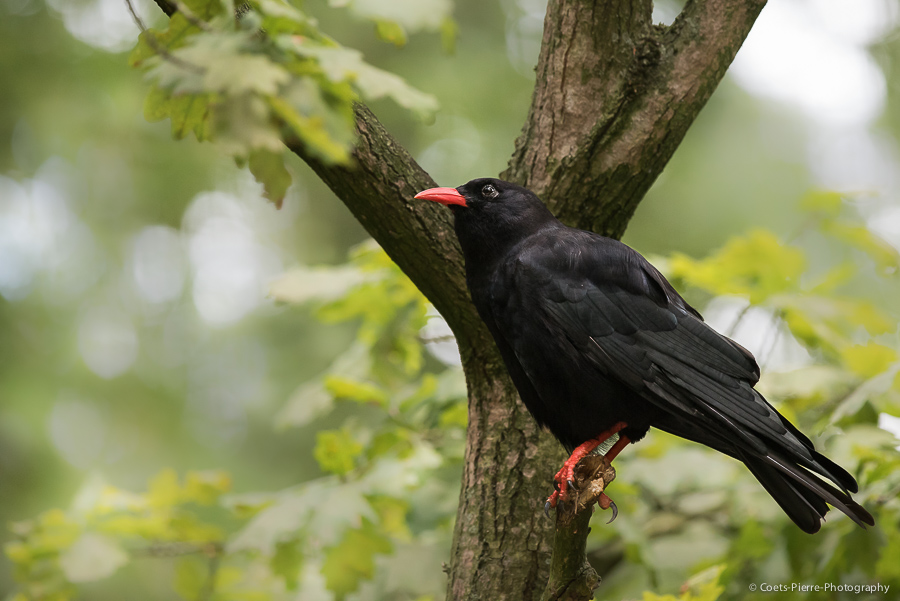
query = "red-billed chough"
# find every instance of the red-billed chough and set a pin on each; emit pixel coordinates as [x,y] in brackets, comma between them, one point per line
[599,344]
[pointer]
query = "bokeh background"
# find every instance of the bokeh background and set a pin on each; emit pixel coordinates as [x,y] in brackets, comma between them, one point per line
[137,327]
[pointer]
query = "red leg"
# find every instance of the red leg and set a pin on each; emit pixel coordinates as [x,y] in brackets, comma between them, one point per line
[564,475]
[614,451]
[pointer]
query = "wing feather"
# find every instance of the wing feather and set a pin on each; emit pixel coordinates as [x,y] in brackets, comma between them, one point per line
[637,330]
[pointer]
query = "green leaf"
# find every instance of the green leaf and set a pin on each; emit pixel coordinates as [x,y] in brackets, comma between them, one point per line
[191,574]
[353,559]
[392,474]
[886,257]
[753,541]
[756,266]
[426,389]
[457,415]
[649,596]
[287,562]
[834,278]
[704,586]
[280,9]
[869,391]
[391,441]
[269,170]
[830,322]
[243,123]
[346,64]
[220,65]
[164,490]
[150,41]
[188,112]
[391,31]
[336,451]
[326,129]
[822,201]
[306,404]
[311,400]
[392,516]
[323,508]
[92,557]
[205,488]
[870,359]
[888,566]
[353,390]
[449,34]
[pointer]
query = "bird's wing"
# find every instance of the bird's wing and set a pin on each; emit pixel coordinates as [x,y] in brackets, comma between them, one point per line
[625,319]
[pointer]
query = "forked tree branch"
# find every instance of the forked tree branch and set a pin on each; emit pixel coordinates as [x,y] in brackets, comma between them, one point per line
[379,189]
[615,96]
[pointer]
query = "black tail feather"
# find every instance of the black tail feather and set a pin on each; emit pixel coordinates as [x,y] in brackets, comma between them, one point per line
[792,479]
[841,476]
[802,495]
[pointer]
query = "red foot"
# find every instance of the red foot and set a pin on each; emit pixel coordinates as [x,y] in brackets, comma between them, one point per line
[567,473]
[614,451]
[551,502]
[605,503]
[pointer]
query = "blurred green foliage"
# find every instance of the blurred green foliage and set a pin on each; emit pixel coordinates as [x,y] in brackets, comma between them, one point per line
[686,510]
[337,399]
[251,82]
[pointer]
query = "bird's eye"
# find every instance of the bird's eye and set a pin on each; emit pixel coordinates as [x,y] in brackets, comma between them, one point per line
[489,191]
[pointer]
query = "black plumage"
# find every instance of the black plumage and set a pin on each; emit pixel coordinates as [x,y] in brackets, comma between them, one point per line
[594,335]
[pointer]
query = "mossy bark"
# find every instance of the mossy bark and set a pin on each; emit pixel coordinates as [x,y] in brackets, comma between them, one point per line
[615,97]
[571,577]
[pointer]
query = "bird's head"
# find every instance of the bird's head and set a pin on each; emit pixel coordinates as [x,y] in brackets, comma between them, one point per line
[491,214]
[492,203]
[480,194]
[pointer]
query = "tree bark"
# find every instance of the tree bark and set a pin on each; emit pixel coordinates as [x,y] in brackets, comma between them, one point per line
[614,97]
[571,576]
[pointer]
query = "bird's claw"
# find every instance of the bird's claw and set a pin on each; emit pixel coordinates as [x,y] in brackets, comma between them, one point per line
[579,488]
[606,503]
[552,501]
[615,511]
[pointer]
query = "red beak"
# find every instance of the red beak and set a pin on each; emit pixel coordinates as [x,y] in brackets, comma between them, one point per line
[445,196]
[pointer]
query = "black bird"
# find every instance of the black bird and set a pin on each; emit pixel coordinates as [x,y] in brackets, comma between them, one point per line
[598,344]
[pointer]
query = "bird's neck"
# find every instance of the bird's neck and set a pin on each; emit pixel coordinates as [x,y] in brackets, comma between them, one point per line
[487,245]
